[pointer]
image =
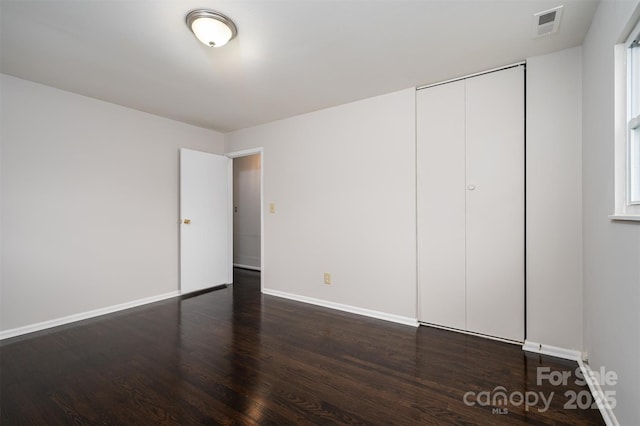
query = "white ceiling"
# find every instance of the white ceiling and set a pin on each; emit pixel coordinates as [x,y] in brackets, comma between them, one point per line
[290,56]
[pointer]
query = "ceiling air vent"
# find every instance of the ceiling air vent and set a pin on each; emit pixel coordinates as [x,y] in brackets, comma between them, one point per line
[547,22]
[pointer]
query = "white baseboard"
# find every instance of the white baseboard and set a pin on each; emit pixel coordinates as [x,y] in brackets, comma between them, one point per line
[599,396]
[346,308]
[556,351]
[240,265]
[83,315]
[596,391]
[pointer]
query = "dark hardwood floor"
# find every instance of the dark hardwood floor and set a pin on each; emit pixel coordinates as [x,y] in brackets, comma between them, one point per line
[234,356]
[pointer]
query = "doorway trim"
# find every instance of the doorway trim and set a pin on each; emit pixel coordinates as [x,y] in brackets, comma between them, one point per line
[246,153]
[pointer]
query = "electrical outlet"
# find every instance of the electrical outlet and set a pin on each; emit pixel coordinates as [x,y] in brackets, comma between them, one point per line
[327,278]
[272,208]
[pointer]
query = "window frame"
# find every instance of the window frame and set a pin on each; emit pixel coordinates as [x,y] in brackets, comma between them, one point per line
[632,48]
[627,137]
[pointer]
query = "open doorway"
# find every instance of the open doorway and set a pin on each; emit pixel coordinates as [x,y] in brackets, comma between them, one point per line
[247,208]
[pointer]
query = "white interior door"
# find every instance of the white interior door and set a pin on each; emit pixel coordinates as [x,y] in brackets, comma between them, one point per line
[495,204]
[206,220]
[470,163]
[441,204]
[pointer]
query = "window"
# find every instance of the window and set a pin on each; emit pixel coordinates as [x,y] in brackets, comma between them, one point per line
[627,140]
[633,118]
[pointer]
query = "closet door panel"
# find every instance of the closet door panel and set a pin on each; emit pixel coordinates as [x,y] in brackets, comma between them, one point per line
[495,204]
[441,204]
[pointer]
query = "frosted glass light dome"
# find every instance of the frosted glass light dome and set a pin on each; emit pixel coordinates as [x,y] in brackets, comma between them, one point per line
[211,28]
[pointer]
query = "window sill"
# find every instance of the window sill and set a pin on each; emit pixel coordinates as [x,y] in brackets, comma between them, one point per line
[631,217]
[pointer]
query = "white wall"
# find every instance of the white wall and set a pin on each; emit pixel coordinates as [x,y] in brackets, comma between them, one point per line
[246,216]
[89,202]
[332,172]
[554,199]
[611,249]
[343,184]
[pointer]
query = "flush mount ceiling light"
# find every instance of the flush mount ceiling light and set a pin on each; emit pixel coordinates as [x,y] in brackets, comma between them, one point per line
[211,28]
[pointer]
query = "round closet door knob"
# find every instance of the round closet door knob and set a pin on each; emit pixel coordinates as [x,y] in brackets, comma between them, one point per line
[471,187]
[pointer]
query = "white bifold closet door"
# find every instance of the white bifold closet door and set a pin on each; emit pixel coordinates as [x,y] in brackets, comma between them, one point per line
[471,204]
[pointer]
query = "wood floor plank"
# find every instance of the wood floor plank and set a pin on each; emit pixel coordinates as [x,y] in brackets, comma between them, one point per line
[235,356]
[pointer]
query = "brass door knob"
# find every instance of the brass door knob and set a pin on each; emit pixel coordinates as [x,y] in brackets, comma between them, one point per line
[186,221]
